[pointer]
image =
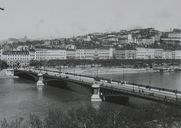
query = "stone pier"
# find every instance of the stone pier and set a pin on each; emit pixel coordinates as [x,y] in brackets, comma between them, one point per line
[9,72]
[40,83]
[96,92]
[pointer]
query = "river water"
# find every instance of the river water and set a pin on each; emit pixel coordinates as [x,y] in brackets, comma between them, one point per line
[19,97]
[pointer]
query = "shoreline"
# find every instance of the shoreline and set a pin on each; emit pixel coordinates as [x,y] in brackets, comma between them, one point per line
[3,75]
[107,70]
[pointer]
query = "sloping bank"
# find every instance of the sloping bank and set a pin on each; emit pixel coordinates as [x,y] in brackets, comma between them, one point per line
[106,70]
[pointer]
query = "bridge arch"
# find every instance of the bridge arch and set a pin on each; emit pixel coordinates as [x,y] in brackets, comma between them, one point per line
[25,74]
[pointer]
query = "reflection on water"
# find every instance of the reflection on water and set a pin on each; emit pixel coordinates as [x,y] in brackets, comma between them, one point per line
[19,97]
[169,80]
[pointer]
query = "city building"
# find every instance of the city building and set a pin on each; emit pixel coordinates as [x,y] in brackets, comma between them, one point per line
[176,54]
[146,41]
[32,54]
[1,54]
[125,54]
[70,46]
[70,54]
[50,54]
[130,38]
[16,58]
[173,37]
[148,53]
[158,53]
[167,55]
[92,54]
[40,54]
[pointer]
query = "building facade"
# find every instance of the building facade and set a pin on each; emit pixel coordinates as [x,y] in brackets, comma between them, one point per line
[167,55]
[46,54]
[92,54]
[172,38]
[176,54]
[147,53]
[70,54]
[125,54]
[16,58]
[1,54]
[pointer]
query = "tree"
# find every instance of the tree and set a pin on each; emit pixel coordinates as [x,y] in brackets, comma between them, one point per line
[3,64]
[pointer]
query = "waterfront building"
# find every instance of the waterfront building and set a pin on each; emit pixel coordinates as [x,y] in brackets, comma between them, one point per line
[40,54]
[125,54]
[149,53]
[167,55]
[91,54]
[176,54]
[16,58]
[59,54]
[158,53]
[70,53]
[32,54]
[50,54]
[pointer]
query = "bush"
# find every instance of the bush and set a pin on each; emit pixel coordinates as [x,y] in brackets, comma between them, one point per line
[144,116]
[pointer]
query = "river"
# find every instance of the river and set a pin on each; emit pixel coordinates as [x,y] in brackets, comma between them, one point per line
[19,97]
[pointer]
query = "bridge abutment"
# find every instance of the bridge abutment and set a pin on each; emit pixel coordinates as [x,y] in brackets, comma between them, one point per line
[40,83]
[9,72]
[96,93]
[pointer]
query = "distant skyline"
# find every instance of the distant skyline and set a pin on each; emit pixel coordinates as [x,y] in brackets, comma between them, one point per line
[67,18]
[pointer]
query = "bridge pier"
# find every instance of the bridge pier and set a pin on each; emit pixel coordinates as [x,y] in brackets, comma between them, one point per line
[96,93]
[40,83]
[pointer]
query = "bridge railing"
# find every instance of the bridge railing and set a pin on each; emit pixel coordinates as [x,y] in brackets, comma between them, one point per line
[145,92]
[158,88]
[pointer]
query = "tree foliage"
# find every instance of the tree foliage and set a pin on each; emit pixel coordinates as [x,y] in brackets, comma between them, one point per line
[143,116]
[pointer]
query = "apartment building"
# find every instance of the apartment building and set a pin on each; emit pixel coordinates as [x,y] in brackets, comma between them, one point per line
[16,58]
[148,53]
[176,54]
[125,54]
[70,54]
[46,54]
[91,54]
[167,55]
[1,54]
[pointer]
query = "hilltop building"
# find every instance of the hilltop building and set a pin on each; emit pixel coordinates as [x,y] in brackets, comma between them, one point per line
[173,37]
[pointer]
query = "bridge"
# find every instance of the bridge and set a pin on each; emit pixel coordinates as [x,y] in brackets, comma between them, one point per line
[102,89]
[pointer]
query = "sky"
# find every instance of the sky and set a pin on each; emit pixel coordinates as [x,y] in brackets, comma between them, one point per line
[67,18]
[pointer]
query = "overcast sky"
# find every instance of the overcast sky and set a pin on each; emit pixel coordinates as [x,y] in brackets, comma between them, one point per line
[64,18]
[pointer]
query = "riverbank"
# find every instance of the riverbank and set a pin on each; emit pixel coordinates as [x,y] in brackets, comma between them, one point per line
[3,75]
[106,70]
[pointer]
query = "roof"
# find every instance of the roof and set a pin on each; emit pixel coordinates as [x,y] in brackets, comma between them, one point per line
[15,53]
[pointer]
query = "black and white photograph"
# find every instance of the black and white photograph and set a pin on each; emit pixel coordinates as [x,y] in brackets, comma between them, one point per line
[90,63]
